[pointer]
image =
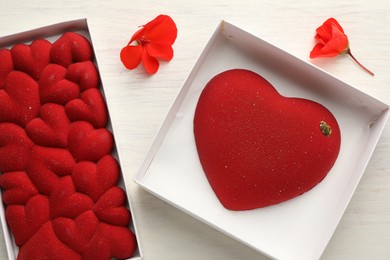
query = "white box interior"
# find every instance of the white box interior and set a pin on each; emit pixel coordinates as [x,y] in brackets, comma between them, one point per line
[296,229]
[52,33]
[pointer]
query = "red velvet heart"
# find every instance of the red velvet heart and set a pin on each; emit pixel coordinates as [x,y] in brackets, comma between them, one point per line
[258,148]
[89,107]
[95,179]
[19,100]
[87,143]
[111,207]
[55,88]
[44,244]
[84,73]
[51,128]
[18,188]
[15,148]
[33,58]
[71,47]
[76,233]
[65,201]
[6,66]
[24,221]
[47,165]
[110,241]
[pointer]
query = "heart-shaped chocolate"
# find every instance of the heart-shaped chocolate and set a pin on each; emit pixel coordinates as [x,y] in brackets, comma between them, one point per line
[31,59]
[94,179]
[18,188]
[25,220]
[110,242]
[111,207]
[65,201]
[55,88]
[89,107]
[83,73]
[87,143]
[47,165]
[44,244]
[19,100]
[257,147]
[51,128]
[78,232]
[15,148]
[69,48]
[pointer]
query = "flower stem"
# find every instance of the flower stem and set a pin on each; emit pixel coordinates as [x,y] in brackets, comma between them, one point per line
[361,65]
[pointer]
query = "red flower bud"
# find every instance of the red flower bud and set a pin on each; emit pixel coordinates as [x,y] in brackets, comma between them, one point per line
[332,41]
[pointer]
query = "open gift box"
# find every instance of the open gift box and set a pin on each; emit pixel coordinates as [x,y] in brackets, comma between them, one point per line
[53,33]
[299,228]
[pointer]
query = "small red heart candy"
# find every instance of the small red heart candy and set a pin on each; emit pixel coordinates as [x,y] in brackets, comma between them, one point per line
[24,221]
[65,201]
[111,207]
[51,127]
[95,179]
[15,148]
[6,66]
[85,74]
[44,244]
[258,148]
[55,88]
[31,59]
[78,232]
[18,188]
[47,165]
[87,143]
[89,107]
[111,241]
[71,47]
[19,100]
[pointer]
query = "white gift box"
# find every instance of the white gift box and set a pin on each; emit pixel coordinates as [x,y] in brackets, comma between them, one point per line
[51,33]
[299,228]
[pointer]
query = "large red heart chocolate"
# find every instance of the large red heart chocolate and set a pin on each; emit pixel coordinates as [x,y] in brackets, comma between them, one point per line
[257,147]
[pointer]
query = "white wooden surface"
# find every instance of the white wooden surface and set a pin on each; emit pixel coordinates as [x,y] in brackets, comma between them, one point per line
[139,102]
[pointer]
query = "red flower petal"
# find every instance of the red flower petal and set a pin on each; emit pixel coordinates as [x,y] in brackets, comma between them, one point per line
[131,56]
[160,51]
[150,63]
[164,31]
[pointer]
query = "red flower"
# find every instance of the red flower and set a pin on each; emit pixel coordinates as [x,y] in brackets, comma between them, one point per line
[332,41]
[151,42]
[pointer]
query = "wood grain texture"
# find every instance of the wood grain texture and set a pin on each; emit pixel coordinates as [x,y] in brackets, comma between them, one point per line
[138,102]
